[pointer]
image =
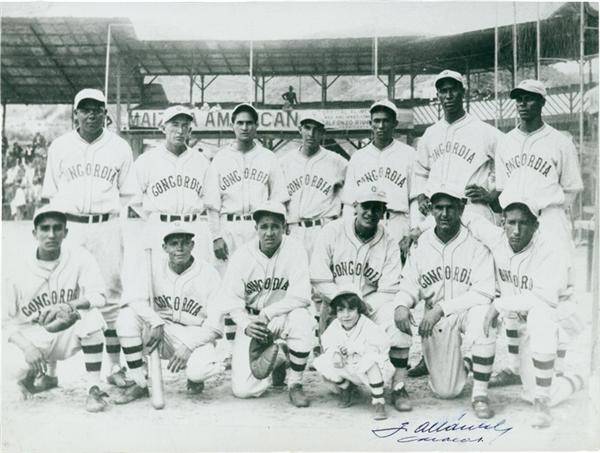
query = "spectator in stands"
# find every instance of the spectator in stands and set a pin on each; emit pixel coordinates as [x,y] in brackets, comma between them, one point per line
[289,97]
[38,141]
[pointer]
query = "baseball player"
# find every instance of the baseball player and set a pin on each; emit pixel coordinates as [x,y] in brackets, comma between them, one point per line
[355,352]
[357,254]
[458,150]
[54,277]
[454,274]
[179,320]
[89,176]
[267,294]
[387,163]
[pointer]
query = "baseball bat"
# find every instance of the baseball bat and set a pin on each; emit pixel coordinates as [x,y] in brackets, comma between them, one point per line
[154,364]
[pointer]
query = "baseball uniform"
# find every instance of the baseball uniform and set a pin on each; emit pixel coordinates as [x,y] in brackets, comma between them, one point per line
[278,288]
[458,154]
[459,276]
[391,169]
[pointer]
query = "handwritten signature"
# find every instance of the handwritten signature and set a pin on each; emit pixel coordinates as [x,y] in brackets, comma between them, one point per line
[444,431]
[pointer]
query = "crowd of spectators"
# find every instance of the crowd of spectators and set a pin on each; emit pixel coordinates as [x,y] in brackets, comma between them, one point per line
[23,166]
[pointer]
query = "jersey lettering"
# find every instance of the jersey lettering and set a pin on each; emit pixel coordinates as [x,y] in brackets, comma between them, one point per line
[46,299]
[455,148]
[97,171]
[537,163]
[312,181]
[268,284]
[519,282]
[439,273]
[183,304]
[351,268]
[174,181]
[394,176]
[251,174]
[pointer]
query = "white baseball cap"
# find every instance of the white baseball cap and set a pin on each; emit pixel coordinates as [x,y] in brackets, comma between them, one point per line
[529,86]
[314,116]
[272,207]
[367,193]
[48,209]
[509,197]
[89,93]
[244,107]
[177,227]
[176,110]
[449,74]
[445,189]
[386,104]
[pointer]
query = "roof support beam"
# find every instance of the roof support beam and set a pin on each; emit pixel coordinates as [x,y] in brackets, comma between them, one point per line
[47,52]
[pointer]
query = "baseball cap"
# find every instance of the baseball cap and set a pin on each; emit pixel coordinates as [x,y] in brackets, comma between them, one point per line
[45,210]
[176,110]
[445,189]
[386,104]
[177,228]
[89,93]
[272,207]
[449,74]
[529,86]
[314,116]
[245,107]
[508,198]
[367,193]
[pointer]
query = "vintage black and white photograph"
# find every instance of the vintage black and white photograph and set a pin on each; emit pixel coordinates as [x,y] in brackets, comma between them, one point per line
[299,226]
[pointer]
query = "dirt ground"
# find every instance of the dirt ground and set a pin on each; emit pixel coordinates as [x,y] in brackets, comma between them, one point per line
[56,421]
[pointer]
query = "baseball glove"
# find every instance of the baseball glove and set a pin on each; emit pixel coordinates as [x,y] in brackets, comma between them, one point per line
[59,317]
[263,356]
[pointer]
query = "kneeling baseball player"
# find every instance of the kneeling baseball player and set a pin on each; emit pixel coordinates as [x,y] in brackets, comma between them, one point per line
[179,319]
[454,274]
[355,351]
[53,309]
[267,294]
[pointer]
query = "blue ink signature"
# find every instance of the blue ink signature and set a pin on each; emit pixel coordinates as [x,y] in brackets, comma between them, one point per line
[440,431]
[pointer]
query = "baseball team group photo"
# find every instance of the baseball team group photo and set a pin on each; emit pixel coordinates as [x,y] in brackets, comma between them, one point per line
[376,237]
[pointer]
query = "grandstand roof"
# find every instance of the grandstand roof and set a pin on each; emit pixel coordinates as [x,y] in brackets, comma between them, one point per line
[47,60]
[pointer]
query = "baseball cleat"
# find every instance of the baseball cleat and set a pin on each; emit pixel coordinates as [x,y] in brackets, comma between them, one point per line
[401,401]
[504,378]
[297,396]
[26,385]
[379,412]
[346,396]
[541,417]
[135,392]
[119,378]
[95,400]
[44,382]
[195,388]
[420,369]
[481,407]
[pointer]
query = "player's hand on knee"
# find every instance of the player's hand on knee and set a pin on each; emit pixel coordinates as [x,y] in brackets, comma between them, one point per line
[179,360]
[430,319]
[35,358]
[403,319]
[220,249]
[156,336]
[424,204]
[491,320]
[259,330]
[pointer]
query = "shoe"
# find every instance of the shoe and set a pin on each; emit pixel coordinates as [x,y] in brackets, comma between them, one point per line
[346,396]
[481,407]
[44,383]
[541,417]
[26,385]
[135,392]
[380,413]
[95,400]
[278,375]
[419,370]
[504,378]
[401,401]
[119,378]
[195,388]
[297,396]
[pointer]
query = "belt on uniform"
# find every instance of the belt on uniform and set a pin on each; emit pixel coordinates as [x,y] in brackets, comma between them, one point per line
[174,218]
[88,218]
[234,217]
[316,222]
[387,214]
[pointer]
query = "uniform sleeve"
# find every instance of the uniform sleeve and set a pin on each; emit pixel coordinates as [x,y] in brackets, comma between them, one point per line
[50,185]
[494,137]
[140,171]
[329,338]
[483,230]
[499,164]
[10,307]
[422,167]
[349,191]
[212,194]
[277,190]
[91,281]
[570,174]
[409,290]
[128,186]
[389,281]
[320,272]
[234,301]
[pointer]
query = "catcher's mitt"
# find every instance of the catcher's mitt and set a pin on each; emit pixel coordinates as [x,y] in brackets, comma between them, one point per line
[263,356]
[59,317]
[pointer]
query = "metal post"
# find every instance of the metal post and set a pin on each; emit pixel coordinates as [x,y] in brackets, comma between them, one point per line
[412,86]
[202,89]
[581,85]
[263,91]
[251,70]
[323,90]
[300,88]
[192,79]
[538,44]
[3,117]
[468,74]
[497,104]
[375,58]
[515,61]
[106,69]
[118,119]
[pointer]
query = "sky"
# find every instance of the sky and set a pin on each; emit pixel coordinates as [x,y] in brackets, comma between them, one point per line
[294,20]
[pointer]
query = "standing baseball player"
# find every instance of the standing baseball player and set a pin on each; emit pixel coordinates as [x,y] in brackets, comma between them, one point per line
[388,163]
[536,307]
[357,254]
[52,301]
[267,294]
[89,175]
[454,274]
[458,150]
[179,319]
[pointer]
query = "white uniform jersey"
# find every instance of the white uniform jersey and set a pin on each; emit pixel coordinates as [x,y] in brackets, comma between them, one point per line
[441,273]
[313,184]
[186,298]
[343,262]
[35,285]
[259,284]
[89,178]
[237,182]
[542,165]
[171,184]
[457,154]
[391,169]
